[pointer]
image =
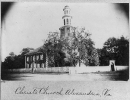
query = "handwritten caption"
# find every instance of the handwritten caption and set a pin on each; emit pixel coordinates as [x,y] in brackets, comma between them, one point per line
[48,91]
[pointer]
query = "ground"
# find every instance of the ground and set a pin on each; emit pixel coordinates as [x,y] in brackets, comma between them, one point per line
[96,76]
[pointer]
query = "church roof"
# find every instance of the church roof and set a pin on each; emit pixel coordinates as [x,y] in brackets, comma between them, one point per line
[66,7]
[35,51]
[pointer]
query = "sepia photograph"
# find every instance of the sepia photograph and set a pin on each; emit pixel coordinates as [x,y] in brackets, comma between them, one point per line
[44,41]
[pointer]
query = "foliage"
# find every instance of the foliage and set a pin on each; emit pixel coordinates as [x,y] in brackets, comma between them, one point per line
[26,50]
[80,48]
[116,49]
[53,48]
[103,57]
[71,50]
[15,61]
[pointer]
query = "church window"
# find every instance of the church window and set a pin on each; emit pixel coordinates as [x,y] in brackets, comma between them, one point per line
[64,21]
[67,21]
[67,12]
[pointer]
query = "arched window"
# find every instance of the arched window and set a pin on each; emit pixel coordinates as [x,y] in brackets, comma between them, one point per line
[64,21]
[67,12]
[67,21]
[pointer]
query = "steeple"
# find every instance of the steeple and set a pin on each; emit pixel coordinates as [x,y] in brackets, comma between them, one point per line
[66,30]
[67,18]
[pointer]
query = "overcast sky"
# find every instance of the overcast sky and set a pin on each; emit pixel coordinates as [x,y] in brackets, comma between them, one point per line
[27,24]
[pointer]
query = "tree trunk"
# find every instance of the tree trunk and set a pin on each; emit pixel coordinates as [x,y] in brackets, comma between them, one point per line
[79,62]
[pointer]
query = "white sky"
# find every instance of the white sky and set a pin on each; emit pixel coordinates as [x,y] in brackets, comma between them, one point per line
[27,24]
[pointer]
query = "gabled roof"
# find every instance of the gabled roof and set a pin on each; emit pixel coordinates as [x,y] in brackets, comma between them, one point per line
[35,51]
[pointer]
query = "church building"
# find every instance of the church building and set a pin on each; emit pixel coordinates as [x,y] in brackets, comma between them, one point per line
[39,59]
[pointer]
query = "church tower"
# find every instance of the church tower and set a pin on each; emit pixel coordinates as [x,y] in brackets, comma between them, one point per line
[67,18]
[66,30]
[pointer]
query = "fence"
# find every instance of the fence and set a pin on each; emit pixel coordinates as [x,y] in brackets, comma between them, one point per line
[88,69]
[54,69]
[71,69]
[51,69]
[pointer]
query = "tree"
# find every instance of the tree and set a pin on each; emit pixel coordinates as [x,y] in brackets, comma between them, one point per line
[122,55]
[80,48]
[103,57]
[9,61]
[16,61]
[53,49]
[26,50]
[12,54]
[68,51]
[116,49]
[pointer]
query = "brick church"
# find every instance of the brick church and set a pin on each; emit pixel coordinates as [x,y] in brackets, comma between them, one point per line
[39,59]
